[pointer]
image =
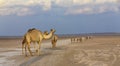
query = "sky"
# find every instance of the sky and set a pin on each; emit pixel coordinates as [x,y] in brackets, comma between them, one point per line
[66,16]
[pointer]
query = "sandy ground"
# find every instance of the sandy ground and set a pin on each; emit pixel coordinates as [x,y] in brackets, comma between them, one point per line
[99,51]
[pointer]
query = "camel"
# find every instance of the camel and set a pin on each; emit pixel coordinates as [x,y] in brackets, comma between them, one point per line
[72,39]
[82,39]
[35,35]
[54,40]
[88,37]
[78,39]
[24,41]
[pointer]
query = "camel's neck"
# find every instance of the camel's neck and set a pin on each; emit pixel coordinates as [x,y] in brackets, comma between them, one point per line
[48,36]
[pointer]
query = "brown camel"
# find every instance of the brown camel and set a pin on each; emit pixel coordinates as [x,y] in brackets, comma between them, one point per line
[54,40]
[35,35]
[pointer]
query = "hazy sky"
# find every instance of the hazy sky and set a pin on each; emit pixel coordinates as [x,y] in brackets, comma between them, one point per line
[66,16]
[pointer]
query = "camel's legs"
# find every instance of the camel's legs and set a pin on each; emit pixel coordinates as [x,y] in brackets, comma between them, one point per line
[39,47]
[54,43]
[25,49]
[22,48]
[71,40]
[29,49]
[34,43]
[34,46]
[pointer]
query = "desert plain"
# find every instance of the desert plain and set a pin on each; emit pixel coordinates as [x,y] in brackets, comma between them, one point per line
[98,51]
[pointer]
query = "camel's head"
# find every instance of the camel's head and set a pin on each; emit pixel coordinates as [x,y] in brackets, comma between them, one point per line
[53,30]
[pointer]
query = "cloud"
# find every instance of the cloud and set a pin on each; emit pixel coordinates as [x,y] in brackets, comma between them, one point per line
[82,2]
[85,2]
[15,11]
[25,11]
[105,1]
[63,3]
[23,7]
[45,4]
[79,11]
[93,7]
[30,7]
[1,2]
[92,10]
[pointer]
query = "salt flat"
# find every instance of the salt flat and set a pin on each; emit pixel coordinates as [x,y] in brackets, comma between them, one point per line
[99,51]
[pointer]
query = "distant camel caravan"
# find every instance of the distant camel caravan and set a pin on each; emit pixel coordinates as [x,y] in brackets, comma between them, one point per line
[35,35]
[80,39]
